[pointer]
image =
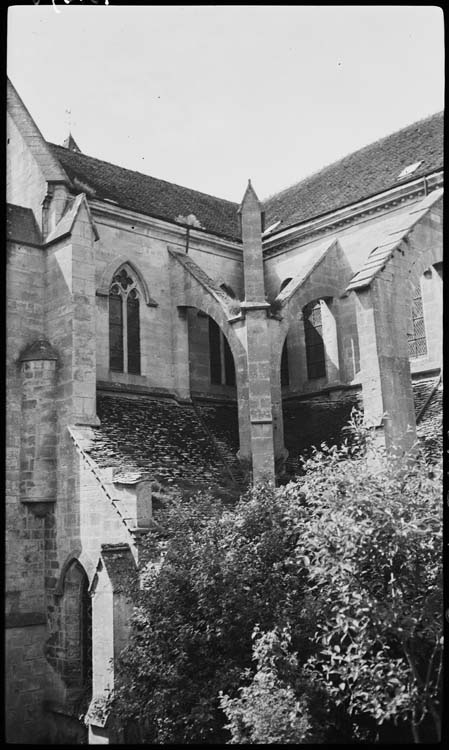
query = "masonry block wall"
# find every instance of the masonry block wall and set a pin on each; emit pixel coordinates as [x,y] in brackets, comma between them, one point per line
[63,510]
[199,360]
[383,312]
[27,536]
[145,246]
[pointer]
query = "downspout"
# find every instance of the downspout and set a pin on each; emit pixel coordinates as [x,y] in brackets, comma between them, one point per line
[187,239]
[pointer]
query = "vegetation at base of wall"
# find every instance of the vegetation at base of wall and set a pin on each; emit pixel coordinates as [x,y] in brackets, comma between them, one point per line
[308,613]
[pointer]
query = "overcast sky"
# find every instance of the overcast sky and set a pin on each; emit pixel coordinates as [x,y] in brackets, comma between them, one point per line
[207,96]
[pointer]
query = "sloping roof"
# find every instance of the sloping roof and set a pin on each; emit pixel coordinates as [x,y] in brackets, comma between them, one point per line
[147,195]
[423,388]
[362,174]
[305,265]
[65,224]
[201,276]
[156,437]
[312,421]
[50,167]
[21,226]
[429,429]
[358,239]
[383,252]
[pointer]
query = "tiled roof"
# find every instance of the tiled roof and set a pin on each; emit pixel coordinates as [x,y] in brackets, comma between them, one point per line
[147,195]
[359,175]
[222,421]
[21,226]
[310,422]
[422,389]
[156,437]
[168,441]
[428,395]
[313,421]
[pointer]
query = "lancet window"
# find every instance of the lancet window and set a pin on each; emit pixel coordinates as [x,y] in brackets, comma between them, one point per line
[124,324]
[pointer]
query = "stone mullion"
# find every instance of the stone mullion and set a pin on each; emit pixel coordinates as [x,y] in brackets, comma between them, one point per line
[125,331]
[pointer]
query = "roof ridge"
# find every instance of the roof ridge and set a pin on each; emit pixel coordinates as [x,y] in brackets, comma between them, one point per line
[351,154]
[142,174]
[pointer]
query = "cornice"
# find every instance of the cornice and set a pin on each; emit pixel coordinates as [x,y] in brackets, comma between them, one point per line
[283,240]
[111,214]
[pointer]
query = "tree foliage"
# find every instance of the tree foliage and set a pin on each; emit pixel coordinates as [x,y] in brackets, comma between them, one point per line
[310,612]
[268,710]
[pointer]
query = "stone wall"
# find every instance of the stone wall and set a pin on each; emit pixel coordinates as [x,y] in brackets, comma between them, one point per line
[24,683]
[145,247]
[27,538]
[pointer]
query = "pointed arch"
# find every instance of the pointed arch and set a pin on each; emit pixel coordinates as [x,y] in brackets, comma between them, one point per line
[124,321]
[114,267]
[75,624]
[84,560]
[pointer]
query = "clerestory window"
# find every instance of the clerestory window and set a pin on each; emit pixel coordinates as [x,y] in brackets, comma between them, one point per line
[417,344]
[222,370]
[124,324]
[313,331]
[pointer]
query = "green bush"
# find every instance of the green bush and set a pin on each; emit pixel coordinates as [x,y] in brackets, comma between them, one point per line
[311,612]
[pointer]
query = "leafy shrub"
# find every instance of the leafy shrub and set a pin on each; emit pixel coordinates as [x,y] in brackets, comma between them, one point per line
[308,611]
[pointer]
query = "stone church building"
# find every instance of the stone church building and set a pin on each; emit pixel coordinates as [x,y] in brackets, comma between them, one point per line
[160,339]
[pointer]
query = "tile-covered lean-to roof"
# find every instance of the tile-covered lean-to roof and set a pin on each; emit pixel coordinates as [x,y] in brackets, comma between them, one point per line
[428,395]
[147,195]
[158,437]
[362,174]
[310,422]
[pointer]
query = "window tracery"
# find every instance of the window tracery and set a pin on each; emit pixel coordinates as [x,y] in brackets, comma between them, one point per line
[417,343]
[124,324]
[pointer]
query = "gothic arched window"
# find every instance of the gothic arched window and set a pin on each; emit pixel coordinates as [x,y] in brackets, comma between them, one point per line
[124,324]
[77,628]
[313,330]
[417,344]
